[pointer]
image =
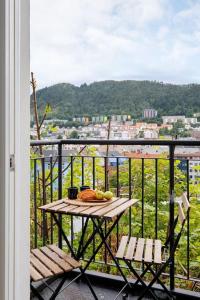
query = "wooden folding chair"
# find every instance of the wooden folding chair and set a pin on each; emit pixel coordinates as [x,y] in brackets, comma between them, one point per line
[51,261]
[150,252]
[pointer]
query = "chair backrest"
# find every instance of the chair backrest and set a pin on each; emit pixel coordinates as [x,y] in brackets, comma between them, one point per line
[183,210]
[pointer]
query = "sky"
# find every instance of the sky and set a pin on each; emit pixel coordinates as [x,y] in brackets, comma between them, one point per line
[82,41]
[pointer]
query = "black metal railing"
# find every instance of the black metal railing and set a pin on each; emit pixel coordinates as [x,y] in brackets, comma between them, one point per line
[154,180]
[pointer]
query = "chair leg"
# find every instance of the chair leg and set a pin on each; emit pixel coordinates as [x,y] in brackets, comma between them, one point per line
[148,287]
[139,278]
[161,283]
[89,285]
[36,293]
[57,290]
[121,291]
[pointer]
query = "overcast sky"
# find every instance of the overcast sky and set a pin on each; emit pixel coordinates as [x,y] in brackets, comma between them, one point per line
[80,41]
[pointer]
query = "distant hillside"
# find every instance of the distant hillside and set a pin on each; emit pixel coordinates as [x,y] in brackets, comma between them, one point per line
[120,97]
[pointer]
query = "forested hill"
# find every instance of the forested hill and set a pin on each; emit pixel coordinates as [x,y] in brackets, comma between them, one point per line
[119,97]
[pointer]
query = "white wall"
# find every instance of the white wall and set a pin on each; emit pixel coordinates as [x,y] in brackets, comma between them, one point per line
[2,151]
[14,139]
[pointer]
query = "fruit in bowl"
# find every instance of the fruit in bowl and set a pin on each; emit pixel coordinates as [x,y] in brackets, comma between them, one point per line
[92,196]
[99,195]
[108,195]
[87,195]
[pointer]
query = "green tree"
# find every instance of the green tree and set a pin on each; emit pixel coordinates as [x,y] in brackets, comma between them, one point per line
[74,135]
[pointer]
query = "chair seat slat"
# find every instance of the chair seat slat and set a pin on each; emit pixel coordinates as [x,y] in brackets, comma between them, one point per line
[122,247]
[157,252]
[47,261]
[148,250]
[70,260]
[139,249]
[35,275]
[131,248]
[40,267]
[59,261]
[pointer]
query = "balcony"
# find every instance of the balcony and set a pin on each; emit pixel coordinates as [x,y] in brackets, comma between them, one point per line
[163,169]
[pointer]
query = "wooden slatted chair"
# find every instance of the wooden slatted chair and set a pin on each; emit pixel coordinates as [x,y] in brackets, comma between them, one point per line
[150,252]
[51,261]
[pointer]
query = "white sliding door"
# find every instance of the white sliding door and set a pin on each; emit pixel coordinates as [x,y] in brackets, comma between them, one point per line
[14,149]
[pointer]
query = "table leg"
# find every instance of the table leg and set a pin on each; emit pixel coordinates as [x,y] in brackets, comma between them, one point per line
[98,229]
[74,255]
[79,252]
[90,239]
[104,238]
[64,235]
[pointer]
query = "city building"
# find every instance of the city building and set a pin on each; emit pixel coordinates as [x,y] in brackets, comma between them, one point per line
[84,120]
[150,113]
[174,119]
[99,119]
[193,159]
[120,118]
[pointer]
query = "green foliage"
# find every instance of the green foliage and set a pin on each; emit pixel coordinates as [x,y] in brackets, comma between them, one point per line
[74,135]
[179,130]
[119,97]
[48,108]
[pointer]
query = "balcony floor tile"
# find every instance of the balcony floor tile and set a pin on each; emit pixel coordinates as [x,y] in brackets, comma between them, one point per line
[80,291]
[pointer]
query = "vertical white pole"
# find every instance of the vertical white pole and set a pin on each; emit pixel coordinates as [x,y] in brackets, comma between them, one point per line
[14,138]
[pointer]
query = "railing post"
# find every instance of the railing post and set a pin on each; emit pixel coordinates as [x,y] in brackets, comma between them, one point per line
[44,217]
[171,212]
[60,189]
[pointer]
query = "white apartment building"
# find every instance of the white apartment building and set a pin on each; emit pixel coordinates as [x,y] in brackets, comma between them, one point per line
[151,134]
[174,119]
[150,113]
[194,164]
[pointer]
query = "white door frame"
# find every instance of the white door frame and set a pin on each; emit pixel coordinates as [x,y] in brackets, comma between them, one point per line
[14,139]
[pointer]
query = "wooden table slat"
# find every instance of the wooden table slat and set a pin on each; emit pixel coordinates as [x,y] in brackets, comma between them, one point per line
[58,207]
[107,210]
[79,209]
[52,204]
[92,209]
[89,203]
[67,209]
[103,211]
[124,205]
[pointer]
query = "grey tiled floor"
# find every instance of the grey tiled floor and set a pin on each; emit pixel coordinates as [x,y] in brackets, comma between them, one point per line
[80,291]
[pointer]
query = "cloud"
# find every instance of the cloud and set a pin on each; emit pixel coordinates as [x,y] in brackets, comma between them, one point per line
[80,41]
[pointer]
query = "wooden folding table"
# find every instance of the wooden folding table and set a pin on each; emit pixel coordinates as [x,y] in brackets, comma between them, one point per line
[111,210]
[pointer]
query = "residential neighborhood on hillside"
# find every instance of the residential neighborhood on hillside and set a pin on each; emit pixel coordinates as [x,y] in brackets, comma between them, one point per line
[120,127]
